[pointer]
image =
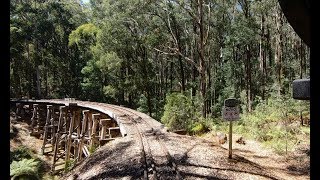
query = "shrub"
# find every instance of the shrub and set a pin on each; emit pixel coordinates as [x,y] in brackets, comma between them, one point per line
[93,148]
[24,169]
[177,112]
[13,131]
[200,128]
[20,153]
[69,165]
[272,122]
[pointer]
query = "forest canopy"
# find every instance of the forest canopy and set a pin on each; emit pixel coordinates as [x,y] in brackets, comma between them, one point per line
[140,53]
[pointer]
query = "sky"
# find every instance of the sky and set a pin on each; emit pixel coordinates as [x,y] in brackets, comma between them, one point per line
[85,1]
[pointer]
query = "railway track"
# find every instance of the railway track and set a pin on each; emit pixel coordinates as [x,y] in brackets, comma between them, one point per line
[145,137]
[156,160]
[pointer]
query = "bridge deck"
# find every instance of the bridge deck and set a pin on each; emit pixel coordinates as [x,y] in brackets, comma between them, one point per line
[116,112]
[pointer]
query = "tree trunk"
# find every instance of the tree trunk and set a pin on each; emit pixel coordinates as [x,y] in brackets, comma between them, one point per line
[278,51]
[179,44]
[248,72]
[149,102]
[209,104]
[194,56]
[38,82]
[262,57]
[302,70]
[166,79]
[202,61]
[269,49]
[183,87]
[171,76]
[161,78]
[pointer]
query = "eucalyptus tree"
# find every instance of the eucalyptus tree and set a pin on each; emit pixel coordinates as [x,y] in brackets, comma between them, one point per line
[50,68]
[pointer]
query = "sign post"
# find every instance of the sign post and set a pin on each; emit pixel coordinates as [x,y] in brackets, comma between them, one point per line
[230,140]
[230,112]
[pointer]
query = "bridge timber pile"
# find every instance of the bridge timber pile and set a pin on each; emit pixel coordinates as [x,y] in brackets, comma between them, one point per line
[131,145]
[70,128]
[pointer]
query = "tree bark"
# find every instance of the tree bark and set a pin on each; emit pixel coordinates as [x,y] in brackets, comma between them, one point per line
[171,76]
[262,57]
[194,50]
[179,44]
[248,72]
[202,61]
[278,50]
[38,82]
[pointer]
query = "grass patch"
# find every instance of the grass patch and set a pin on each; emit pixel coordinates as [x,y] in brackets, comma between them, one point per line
[275,124]
[69,165]
[93,148]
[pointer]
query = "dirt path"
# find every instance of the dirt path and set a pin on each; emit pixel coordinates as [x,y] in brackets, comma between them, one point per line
[196,158]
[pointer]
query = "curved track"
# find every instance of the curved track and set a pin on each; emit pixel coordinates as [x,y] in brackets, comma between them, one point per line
[141,148]
[146,134]
[155,157]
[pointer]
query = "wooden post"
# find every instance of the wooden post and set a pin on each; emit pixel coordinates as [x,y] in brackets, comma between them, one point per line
[67,120]
[53,129]
[57,138]
[18,110]
[95,119]
[83,132]
[230,112]
[68,145]
[34,116]
[42,115]
[77,128]
[230,140]
[46,128]
[90,122]
[78,123]
[105,123]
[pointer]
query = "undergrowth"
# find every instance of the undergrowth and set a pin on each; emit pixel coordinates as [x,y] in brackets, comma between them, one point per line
[275,122]
[24,165]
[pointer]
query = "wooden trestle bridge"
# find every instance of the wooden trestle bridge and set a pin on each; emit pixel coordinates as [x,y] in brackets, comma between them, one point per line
[132,145]
[70,128]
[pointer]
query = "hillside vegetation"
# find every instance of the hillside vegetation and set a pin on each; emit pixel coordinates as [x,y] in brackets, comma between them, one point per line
[175,60]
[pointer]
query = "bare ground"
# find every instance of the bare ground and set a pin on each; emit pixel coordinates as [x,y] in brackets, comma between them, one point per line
[196,158]
[21,137]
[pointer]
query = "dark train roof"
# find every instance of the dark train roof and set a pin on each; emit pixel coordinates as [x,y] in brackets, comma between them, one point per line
[298,14]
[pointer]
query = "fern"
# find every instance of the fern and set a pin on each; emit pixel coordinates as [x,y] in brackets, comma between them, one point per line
[25,167]
[69,165]
[20,153]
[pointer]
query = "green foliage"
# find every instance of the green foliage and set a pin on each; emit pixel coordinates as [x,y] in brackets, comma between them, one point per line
[143,106]
[135,52]
[20,153]
[85,33]
[13,132]
[108,62]
[69,165]
[109,91]
[200,127]
[177,111]
[23,154]
[24,169]
[93,148]
[275,122]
